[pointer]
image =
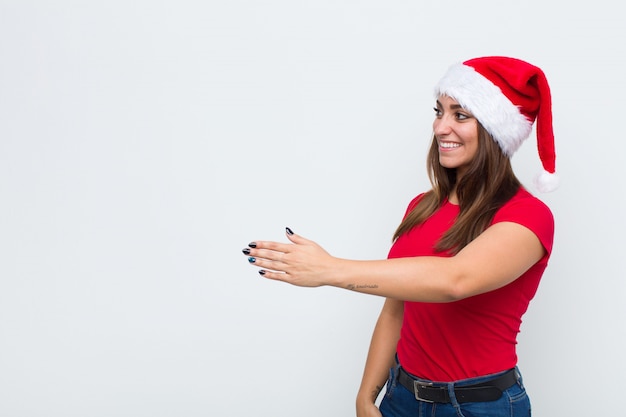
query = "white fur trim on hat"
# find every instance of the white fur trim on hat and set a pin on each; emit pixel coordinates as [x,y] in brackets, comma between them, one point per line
[495,112]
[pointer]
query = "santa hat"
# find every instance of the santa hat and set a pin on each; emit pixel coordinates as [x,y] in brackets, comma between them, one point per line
[507,95]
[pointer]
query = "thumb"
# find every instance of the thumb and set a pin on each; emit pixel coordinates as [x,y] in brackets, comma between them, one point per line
[294,238]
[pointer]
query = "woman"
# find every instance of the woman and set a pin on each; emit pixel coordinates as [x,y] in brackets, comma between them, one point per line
[466,260]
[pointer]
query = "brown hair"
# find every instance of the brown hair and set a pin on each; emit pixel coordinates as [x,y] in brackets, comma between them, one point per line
[488,183]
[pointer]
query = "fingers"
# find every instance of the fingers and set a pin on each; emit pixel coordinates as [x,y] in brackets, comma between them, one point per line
[264,248]
[269,255]
[272,257]
[267,263]
[276,276]
[269,246]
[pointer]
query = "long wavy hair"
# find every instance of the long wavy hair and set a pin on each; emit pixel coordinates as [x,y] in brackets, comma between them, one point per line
[488,183]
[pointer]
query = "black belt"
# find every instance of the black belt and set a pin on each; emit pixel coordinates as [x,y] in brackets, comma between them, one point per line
[484,391]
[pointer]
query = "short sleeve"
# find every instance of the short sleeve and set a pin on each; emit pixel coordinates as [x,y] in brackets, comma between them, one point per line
[531,213]
[412,205]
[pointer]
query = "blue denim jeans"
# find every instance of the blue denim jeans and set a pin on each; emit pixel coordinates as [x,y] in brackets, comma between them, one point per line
[400,402]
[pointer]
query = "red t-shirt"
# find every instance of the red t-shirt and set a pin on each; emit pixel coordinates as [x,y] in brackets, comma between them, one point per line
[477,335]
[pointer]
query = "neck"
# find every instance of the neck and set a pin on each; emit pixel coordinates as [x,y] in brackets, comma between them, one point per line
[452,197]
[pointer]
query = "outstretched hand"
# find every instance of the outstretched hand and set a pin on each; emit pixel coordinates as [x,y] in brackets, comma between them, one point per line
[301,262]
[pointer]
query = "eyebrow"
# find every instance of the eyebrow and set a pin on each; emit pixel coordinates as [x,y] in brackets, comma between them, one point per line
[453,106]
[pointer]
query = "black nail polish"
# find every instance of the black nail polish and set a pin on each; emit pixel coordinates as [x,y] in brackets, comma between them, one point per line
[246,251]
[252,244]
[262,272]
[289,231]
[251,260]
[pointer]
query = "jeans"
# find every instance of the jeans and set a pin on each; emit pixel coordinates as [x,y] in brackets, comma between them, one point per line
[400,402]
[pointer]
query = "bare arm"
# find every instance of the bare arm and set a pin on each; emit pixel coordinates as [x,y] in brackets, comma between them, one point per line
[498,256]
[380,357]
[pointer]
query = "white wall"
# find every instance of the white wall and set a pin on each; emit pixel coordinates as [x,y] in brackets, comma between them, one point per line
[143,144]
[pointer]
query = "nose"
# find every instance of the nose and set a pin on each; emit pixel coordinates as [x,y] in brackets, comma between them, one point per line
[441,126]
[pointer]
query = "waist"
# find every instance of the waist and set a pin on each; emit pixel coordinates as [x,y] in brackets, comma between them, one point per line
[450,363]
[488,389]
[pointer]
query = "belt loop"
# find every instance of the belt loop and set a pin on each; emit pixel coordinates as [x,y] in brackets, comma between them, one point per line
[518,374]
[452,395]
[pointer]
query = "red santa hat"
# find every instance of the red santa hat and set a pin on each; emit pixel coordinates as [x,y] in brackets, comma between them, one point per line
[507,95]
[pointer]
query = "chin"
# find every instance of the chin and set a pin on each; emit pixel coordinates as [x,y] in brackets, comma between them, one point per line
[448,164]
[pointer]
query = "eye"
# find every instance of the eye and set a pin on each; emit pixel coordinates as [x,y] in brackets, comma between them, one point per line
[462,116]
[438,112]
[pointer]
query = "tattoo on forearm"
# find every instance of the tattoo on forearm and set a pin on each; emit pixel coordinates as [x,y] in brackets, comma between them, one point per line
[376,392]
[354,287]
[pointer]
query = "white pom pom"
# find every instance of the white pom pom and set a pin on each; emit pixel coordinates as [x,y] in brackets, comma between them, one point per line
[546,182]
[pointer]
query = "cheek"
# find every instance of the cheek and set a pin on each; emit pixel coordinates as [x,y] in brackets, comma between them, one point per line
[471,138]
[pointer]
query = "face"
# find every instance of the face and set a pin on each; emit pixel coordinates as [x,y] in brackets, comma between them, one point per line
[456,132]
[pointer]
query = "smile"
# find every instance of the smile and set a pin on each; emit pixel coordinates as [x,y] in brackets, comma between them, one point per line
[449,145]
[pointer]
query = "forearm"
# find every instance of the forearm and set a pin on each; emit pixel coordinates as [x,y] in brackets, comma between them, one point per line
[428,279]
[381,355]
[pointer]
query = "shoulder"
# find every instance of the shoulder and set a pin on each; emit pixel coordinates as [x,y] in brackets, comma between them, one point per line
[414,202]
[524,204]
[529,211]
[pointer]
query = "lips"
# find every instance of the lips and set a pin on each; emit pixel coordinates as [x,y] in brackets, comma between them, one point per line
[449,145]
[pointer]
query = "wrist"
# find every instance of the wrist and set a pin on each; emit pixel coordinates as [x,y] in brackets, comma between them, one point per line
[364,402]
[337,273]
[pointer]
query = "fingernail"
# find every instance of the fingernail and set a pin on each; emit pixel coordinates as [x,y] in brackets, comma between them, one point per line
[289,231]
[246,251]
[251,260]
[252,244]
[262,272]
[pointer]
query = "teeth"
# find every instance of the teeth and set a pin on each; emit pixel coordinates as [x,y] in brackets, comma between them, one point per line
[449,145]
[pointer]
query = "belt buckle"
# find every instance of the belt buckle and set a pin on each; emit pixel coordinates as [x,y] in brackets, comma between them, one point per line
[416,389]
